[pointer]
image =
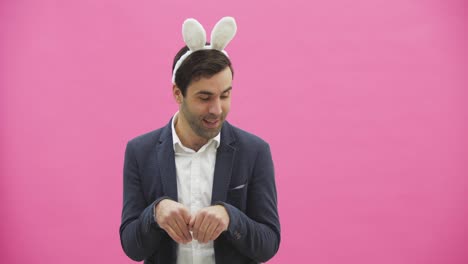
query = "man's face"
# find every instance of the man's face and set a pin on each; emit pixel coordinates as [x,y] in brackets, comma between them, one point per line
[206,103]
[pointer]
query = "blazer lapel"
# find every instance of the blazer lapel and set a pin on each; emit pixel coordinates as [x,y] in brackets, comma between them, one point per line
[224,163]
[166,162]
[223,168]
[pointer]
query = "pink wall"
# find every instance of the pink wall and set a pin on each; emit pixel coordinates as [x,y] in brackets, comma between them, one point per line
[362,101]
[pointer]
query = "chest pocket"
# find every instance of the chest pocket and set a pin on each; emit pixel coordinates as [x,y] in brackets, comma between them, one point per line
[237,196]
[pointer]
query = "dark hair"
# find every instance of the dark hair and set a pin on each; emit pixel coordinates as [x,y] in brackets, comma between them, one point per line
[201,63]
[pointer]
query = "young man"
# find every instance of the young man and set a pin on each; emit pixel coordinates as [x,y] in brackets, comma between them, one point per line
[200,190]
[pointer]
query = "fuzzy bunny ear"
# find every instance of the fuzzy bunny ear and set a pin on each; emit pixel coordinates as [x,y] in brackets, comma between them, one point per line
[223,32]
[194,34]
[195,38]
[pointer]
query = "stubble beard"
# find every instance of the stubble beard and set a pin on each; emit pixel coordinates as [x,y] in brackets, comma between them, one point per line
[196,123]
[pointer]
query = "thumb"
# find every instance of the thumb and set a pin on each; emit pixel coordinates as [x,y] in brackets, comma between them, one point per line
[186,216]
[192,222]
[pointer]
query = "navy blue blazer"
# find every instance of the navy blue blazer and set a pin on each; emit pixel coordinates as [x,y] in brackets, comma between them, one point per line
[243,182]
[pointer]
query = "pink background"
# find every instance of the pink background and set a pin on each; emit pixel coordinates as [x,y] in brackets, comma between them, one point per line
[362,101]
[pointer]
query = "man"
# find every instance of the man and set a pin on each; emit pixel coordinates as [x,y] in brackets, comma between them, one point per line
[200,190]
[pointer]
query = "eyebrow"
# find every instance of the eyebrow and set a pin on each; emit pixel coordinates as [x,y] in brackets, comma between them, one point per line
[210,93]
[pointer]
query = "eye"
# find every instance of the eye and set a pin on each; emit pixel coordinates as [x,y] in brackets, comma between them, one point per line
[204,98]
[225,95]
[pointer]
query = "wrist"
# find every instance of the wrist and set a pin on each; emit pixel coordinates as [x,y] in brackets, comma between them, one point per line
[155,208]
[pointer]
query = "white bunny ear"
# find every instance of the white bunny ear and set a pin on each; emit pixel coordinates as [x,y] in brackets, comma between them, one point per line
[223,32]
[194,34]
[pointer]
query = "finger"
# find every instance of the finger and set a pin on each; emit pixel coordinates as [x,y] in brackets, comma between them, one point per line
[192,223]
[182,226]
[217,232]
[210,230]
[196,227]
[176,229]
[203,228]
[179,225]
[173,235]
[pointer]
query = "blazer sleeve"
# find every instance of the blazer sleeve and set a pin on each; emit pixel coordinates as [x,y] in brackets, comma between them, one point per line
[140,235]
[256,233]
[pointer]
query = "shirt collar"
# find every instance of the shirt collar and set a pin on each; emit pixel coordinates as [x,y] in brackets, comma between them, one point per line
[176,141]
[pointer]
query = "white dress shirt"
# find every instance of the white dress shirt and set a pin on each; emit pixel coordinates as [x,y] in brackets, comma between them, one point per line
[195,172]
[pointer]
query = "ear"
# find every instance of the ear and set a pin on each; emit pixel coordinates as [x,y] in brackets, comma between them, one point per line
[177,93]
[223,32]
[194,34]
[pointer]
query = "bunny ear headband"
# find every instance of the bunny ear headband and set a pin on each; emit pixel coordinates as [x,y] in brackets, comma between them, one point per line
[195,37]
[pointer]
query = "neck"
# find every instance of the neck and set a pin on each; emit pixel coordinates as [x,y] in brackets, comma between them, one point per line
[186,134]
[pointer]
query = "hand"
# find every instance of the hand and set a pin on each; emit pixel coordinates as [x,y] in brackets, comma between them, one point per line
[209,223]
[174,218]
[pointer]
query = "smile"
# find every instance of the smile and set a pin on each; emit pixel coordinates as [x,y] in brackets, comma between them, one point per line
[211,123]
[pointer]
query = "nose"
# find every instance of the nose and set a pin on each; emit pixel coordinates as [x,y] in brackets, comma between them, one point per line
[215,107]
